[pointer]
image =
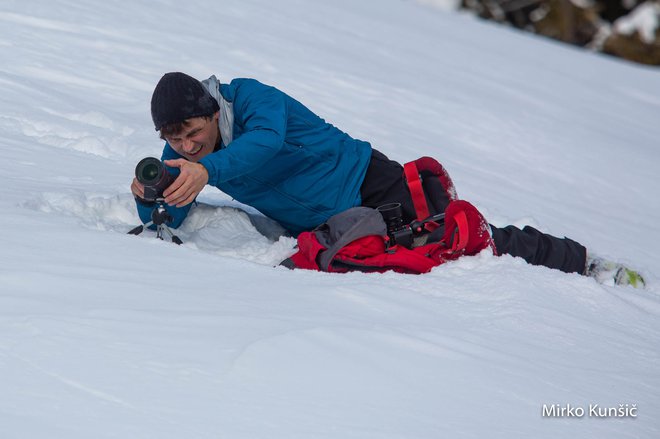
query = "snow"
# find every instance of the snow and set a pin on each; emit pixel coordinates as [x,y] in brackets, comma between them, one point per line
[444,5]
[107,335]
[643,20]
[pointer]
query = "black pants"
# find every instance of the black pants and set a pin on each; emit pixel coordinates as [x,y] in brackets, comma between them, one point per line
[384,183]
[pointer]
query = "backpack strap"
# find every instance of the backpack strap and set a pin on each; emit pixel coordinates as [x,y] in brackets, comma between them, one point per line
[416,190]
[466,230]
[463,232]
[414,181]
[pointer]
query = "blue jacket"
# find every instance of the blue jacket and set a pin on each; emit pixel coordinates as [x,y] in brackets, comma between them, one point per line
[283,160]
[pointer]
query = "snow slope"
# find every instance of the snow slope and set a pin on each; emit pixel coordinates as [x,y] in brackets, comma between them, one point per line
[106,335]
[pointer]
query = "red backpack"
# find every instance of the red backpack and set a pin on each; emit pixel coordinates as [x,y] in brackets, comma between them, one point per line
[360,239]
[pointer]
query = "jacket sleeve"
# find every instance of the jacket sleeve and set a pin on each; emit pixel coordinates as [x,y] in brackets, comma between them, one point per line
[178,214]
[262,112]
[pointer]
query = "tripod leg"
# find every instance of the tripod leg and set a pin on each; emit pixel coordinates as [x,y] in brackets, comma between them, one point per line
[175,239]
[136,231]
[159,232]
[139,229]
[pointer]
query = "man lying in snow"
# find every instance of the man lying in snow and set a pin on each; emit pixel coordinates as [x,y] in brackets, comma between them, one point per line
[267,150]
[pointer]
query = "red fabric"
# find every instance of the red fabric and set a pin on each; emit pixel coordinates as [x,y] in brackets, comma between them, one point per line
[416,190]
[432,165]
[362,254]
[463,231]
[367,254]
[412,171]
[466,233]
[308,250]
[466,230]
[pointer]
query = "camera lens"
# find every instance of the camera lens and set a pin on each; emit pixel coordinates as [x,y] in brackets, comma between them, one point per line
[154,176]
[390,211]
[149,171]
[392,214]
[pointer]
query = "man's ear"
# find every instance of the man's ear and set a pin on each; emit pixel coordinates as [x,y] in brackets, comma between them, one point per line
[216,115]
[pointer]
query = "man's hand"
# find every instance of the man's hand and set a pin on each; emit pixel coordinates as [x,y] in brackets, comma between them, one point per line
[137,188]
[188,184]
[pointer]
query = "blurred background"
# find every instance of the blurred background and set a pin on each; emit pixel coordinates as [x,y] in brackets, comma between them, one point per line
[623,28]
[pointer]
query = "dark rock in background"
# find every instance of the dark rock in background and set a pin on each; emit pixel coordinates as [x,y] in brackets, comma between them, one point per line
[628,29]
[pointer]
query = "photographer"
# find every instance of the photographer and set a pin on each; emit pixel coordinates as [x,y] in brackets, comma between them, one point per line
[267,150]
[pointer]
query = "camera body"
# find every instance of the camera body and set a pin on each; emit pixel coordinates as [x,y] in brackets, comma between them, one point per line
[154,176]
[405,234]
[398,232]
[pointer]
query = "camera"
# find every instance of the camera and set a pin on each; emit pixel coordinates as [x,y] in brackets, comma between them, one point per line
[405,234]
[153,174]
[155,178]
[398,232]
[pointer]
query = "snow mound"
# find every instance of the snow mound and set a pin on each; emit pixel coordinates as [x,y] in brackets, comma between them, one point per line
[219,230]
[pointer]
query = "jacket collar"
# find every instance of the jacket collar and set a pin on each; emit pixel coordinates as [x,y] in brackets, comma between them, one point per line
[226,119]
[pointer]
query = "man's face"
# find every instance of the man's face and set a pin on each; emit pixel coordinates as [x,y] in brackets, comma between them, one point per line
[197,139]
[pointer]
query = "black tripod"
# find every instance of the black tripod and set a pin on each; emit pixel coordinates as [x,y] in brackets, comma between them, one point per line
[159,216]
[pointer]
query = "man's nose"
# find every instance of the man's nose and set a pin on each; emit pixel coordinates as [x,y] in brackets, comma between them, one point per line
[188,145]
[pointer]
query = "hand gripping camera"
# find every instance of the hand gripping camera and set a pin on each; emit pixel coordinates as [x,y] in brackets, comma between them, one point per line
[155,178]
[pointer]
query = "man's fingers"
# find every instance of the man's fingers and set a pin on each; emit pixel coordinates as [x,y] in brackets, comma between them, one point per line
[175,163]
[185,199]
[176,197]
[178,182]
[187,185]
[180,193]
[137,188]
[189,199]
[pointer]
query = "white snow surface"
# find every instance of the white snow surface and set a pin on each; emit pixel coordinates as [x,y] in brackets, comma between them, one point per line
[105,335]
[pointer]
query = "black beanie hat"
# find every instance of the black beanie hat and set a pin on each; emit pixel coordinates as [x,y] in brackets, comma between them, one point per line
[178,97]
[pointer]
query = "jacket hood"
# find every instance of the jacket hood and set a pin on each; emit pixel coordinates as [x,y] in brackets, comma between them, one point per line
[226,119]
